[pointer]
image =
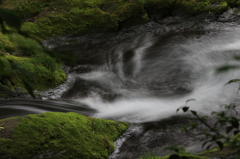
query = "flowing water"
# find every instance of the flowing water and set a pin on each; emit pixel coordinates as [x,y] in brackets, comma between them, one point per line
[143,75]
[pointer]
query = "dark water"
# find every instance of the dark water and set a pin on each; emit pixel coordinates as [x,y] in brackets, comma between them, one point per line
[19,107]
[142,75]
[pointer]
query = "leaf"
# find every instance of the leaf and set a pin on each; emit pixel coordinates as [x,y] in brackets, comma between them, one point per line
[1,128]
[204,117]
[10,18]
[189,100]
[193,112]
[233,81]
[185,109]
[175,156]
[221,114]
[214,113]
[220,144]
[178,109]
[226,68]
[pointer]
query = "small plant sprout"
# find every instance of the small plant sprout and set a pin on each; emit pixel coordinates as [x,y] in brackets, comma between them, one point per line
[185,108]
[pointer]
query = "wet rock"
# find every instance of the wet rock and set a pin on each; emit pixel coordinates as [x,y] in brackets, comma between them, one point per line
[231,15]
[84,88]
[140,139]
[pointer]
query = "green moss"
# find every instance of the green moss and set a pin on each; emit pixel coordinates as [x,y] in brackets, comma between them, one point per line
[33,30]
[130,14]
[4,88]
[25,46]
[78,21]
[41,72]
[29,62]
[75,17]
[73,135]
[50,17]
[86,16]
[92,16]
[6,46]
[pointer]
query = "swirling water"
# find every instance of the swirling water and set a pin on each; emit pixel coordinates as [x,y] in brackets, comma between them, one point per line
[143,76]
[148,78]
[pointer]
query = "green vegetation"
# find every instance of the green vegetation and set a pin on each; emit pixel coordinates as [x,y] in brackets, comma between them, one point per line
[78,16]
[48,18]
[24,62]
[69,135]
[23,59]
[226,145]
[213,133]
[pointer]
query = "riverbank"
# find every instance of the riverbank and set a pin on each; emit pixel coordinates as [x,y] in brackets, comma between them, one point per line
[53,18]
[40,31]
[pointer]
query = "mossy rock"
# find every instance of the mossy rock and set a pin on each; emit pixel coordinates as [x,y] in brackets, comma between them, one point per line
[35,72]
[77,16]
[27,61]
[6,45]
[62,17]
[59,135]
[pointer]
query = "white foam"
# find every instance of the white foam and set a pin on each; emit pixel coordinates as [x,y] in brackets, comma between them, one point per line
[209,90]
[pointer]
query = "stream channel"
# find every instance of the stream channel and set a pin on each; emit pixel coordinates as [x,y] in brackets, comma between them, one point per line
[142,75]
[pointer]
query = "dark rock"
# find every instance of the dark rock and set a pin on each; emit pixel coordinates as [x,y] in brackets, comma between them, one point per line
[84,88]
[231,15]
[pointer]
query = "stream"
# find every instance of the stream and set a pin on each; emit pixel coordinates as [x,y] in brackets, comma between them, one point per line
[142,75]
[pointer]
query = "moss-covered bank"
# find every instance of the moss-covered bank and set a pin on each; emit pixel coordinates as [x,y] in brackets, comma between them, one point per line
[59,135]
[77,16]
[47,18]
[24,60]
